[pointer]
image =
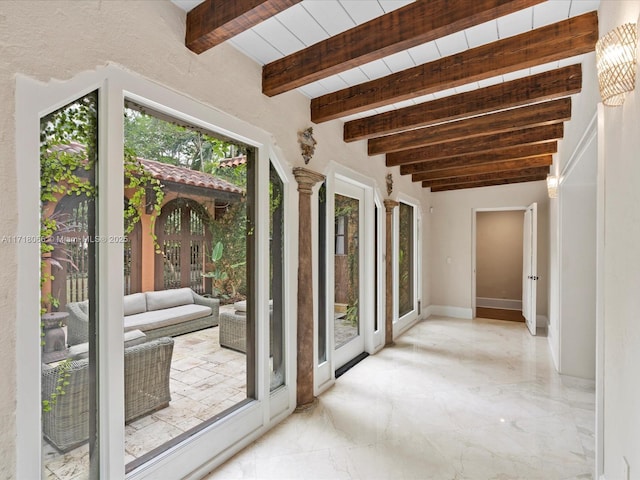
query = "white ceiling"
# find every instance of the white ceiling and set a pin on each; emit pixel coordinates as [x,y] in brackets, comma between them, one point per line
[311,21]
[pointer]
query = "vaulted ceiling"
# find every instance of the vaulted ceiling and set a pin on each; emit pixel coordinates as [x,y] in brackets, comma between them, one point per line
[457,93]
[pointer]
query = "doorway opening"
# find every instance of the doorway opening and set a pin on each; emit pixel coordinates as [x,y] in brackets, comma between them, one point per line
[504,264]
[499,244]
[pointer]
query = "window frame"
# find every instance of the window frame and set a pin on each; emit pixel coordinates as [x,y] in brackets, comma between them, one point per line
[204,450]
[402,323]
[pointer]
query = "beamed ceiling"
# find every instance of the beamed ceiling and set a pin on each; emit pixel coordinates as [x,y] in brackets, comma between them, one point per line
[457,93]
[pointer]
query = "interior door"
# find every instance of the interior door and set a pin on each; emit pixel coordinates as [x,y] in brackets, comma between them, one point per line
[348,267]
[529,266]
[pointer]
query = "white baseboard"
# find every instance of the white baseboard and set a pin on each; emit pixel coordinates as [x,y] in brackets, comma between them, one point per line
[504,303]
[448,311]
[426,312]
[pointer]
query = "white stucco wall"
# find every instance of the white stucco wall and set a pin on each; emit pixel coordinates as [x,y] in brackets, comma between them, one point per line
[621,273]
[55,40]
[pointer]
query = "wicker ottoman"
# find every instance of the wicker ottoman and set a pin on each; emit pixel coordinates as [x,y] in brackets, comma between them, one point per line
[233,330]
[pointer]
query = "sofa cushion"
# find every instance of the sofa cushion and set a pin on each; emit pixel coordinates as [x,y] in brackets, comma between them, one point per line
[131,338]
[241,306]
[169,298]
[162,318]
[135,303]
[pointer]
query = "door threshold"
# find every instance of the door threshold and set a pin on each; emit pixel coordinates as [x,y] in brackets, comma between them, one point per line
[340,371]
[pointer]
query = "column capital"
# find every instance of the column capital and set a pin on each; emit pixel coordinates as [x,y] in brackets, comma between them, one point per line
[389,204]
[306,179]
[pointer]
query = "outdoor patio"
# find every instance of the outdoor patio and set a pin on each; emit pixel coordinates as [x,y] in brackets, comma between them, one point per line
[206,379]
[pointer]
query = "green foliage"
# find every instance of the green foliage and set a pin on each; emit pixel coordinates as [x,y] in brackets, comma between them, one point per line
[230,268]
[351,317]
[61,382]
[156,139]
[139,183]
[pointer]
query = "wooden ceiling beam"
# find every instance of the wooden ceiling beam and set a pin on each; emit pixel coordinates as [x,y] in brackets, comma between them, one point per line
[214,21]
[486,143]
[513,153]
[544,86]
[575,36]
[415,24]
[490,183]
[546,113]
[519,164]
[487,177]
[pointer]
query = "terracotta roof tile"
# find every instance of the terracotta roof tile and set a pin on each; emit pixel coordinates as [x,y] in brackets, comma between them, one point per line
[233,162]
[171,173]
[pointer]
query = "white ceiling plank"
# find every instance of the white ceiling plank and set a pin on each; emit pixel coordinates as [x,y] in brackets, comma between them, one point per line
[384,109]
[516,75]
[425,53]
[399,61]
[375,69]
[549,12]
[279,36]
[329,14]
[405,103]
[255,47]
[480,34]
[445,93]
[452,44]
[362,11]
[515,23]
[300,22]
[333,83]
[543,68]
[468,87]
[578,7]
[354,76]
[313,90]
[391,5]
[573,60]
[488,82]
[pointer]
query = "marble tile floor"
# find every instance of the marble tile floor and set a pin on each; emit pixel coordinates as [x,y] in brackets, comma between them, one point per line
[205,380]
[451,400]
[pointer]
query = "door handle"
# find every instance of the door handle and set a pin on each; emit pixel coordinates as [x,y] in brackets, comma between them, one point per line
[533,277]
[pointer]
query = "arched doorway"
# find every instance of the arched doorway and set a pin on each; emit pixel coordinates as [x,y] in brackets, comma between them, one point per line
[183,232]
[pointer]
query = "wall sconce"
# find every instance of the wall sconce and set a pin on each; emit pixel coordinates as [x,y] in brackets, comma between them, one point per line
[552,186]
[616,61]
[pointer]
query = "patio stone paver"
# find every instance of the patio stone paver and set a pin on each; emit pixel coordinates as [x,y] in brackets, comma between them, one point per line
[205,380]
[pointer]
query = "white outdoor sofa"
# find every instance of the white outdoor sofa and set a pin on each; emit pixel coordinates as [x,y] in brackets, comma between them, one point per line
[164,313]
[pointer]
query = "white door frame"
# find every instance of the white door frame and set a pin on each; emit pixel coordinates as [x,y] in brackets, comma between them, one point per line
[324,374]
[474,220]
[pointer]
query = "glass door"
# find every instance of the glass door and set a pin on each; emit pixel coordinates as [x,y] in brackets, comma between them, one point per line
[348,267]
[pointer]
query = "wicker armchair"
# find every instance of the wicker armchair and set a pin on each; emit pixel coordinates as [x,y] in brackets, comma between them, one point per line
[146,369]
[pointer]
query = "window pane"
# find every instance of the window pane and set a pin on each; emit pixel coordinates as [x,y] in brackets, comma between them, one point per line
[347,269]
[68,155]
[276,263]
[322,274]
[188,323]
[405,260]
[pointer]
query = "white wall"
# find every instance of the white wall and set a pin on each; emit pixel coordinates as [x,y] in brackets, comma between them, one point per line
[578,268]
[451,243]
[499,255]
[55,40]
[621,144]
[572,236]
